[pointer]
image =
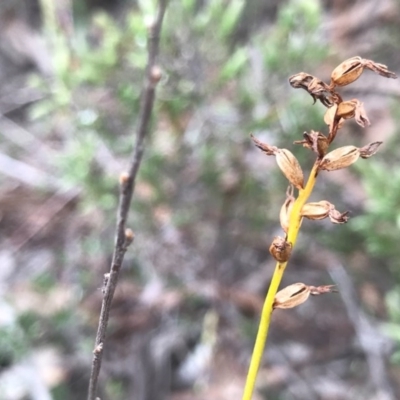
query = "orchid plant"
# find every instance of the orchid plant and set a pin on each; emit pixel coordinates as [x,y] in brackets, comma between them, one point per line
[295,206]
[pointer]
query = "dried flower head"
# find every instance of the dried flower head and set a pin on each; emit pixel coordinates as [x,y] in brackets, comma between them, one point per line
[315,141]
[314,86]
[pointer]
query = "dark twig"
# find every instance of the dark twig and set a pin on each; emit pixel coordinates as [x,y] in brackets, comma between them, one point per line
[124,236]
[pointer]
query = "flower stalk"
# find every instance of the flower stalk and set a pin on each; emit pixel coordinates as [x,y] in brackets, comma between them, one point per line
[294,209]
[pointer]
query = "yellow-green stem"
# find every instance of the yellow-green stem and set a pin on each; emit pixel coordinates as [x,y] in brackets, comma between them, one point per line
[261,339]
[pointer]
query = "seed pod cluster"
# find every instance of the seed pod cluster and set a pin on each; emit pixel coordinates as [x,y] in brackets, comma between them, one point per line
[338,111]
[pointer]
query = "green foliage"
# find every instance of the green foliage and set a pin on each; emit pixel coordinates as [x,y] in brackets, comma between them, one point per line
[380,224]
[392,328]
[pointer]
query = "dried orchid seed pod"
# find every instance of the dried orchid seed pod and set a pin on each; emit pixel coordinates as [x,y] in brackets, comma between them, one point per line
[346,109]
[353,109]
[287,162]
[347,72]
[291,296]
[317,210]
[340,158]
[290,167]
[280,249]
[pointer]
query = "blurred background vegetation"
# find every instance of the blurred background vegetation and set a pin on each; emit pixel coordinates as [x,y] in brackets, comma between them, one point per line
[206,205]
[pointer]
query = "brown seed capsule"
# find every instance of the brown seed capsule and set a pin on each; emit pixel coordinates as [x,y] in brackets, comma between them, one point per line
[346,109]
[286,209]
[350,70]
[290,167]
[316,211]
[280,249]
[297,293]
[347,72]
[353,109]
[340,158]
[291,296]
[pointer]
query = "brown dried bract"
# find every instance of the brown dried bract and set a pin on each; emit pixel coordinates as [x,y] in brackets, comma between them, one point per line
[280,249]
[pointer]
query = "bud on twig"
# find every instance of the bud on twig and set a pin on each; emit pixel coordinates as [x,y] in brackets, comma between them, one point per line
[123,178]
[280,249]
[155,74]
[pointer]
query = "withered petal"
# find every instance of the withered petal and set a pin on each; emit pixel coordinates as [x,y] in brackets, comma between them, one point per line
[338,218]
[370,149]
[266,148]
[316,290]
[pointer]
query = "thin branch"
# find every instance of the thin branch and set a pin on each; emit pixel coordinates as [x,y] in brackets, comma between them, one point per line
[127,181]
